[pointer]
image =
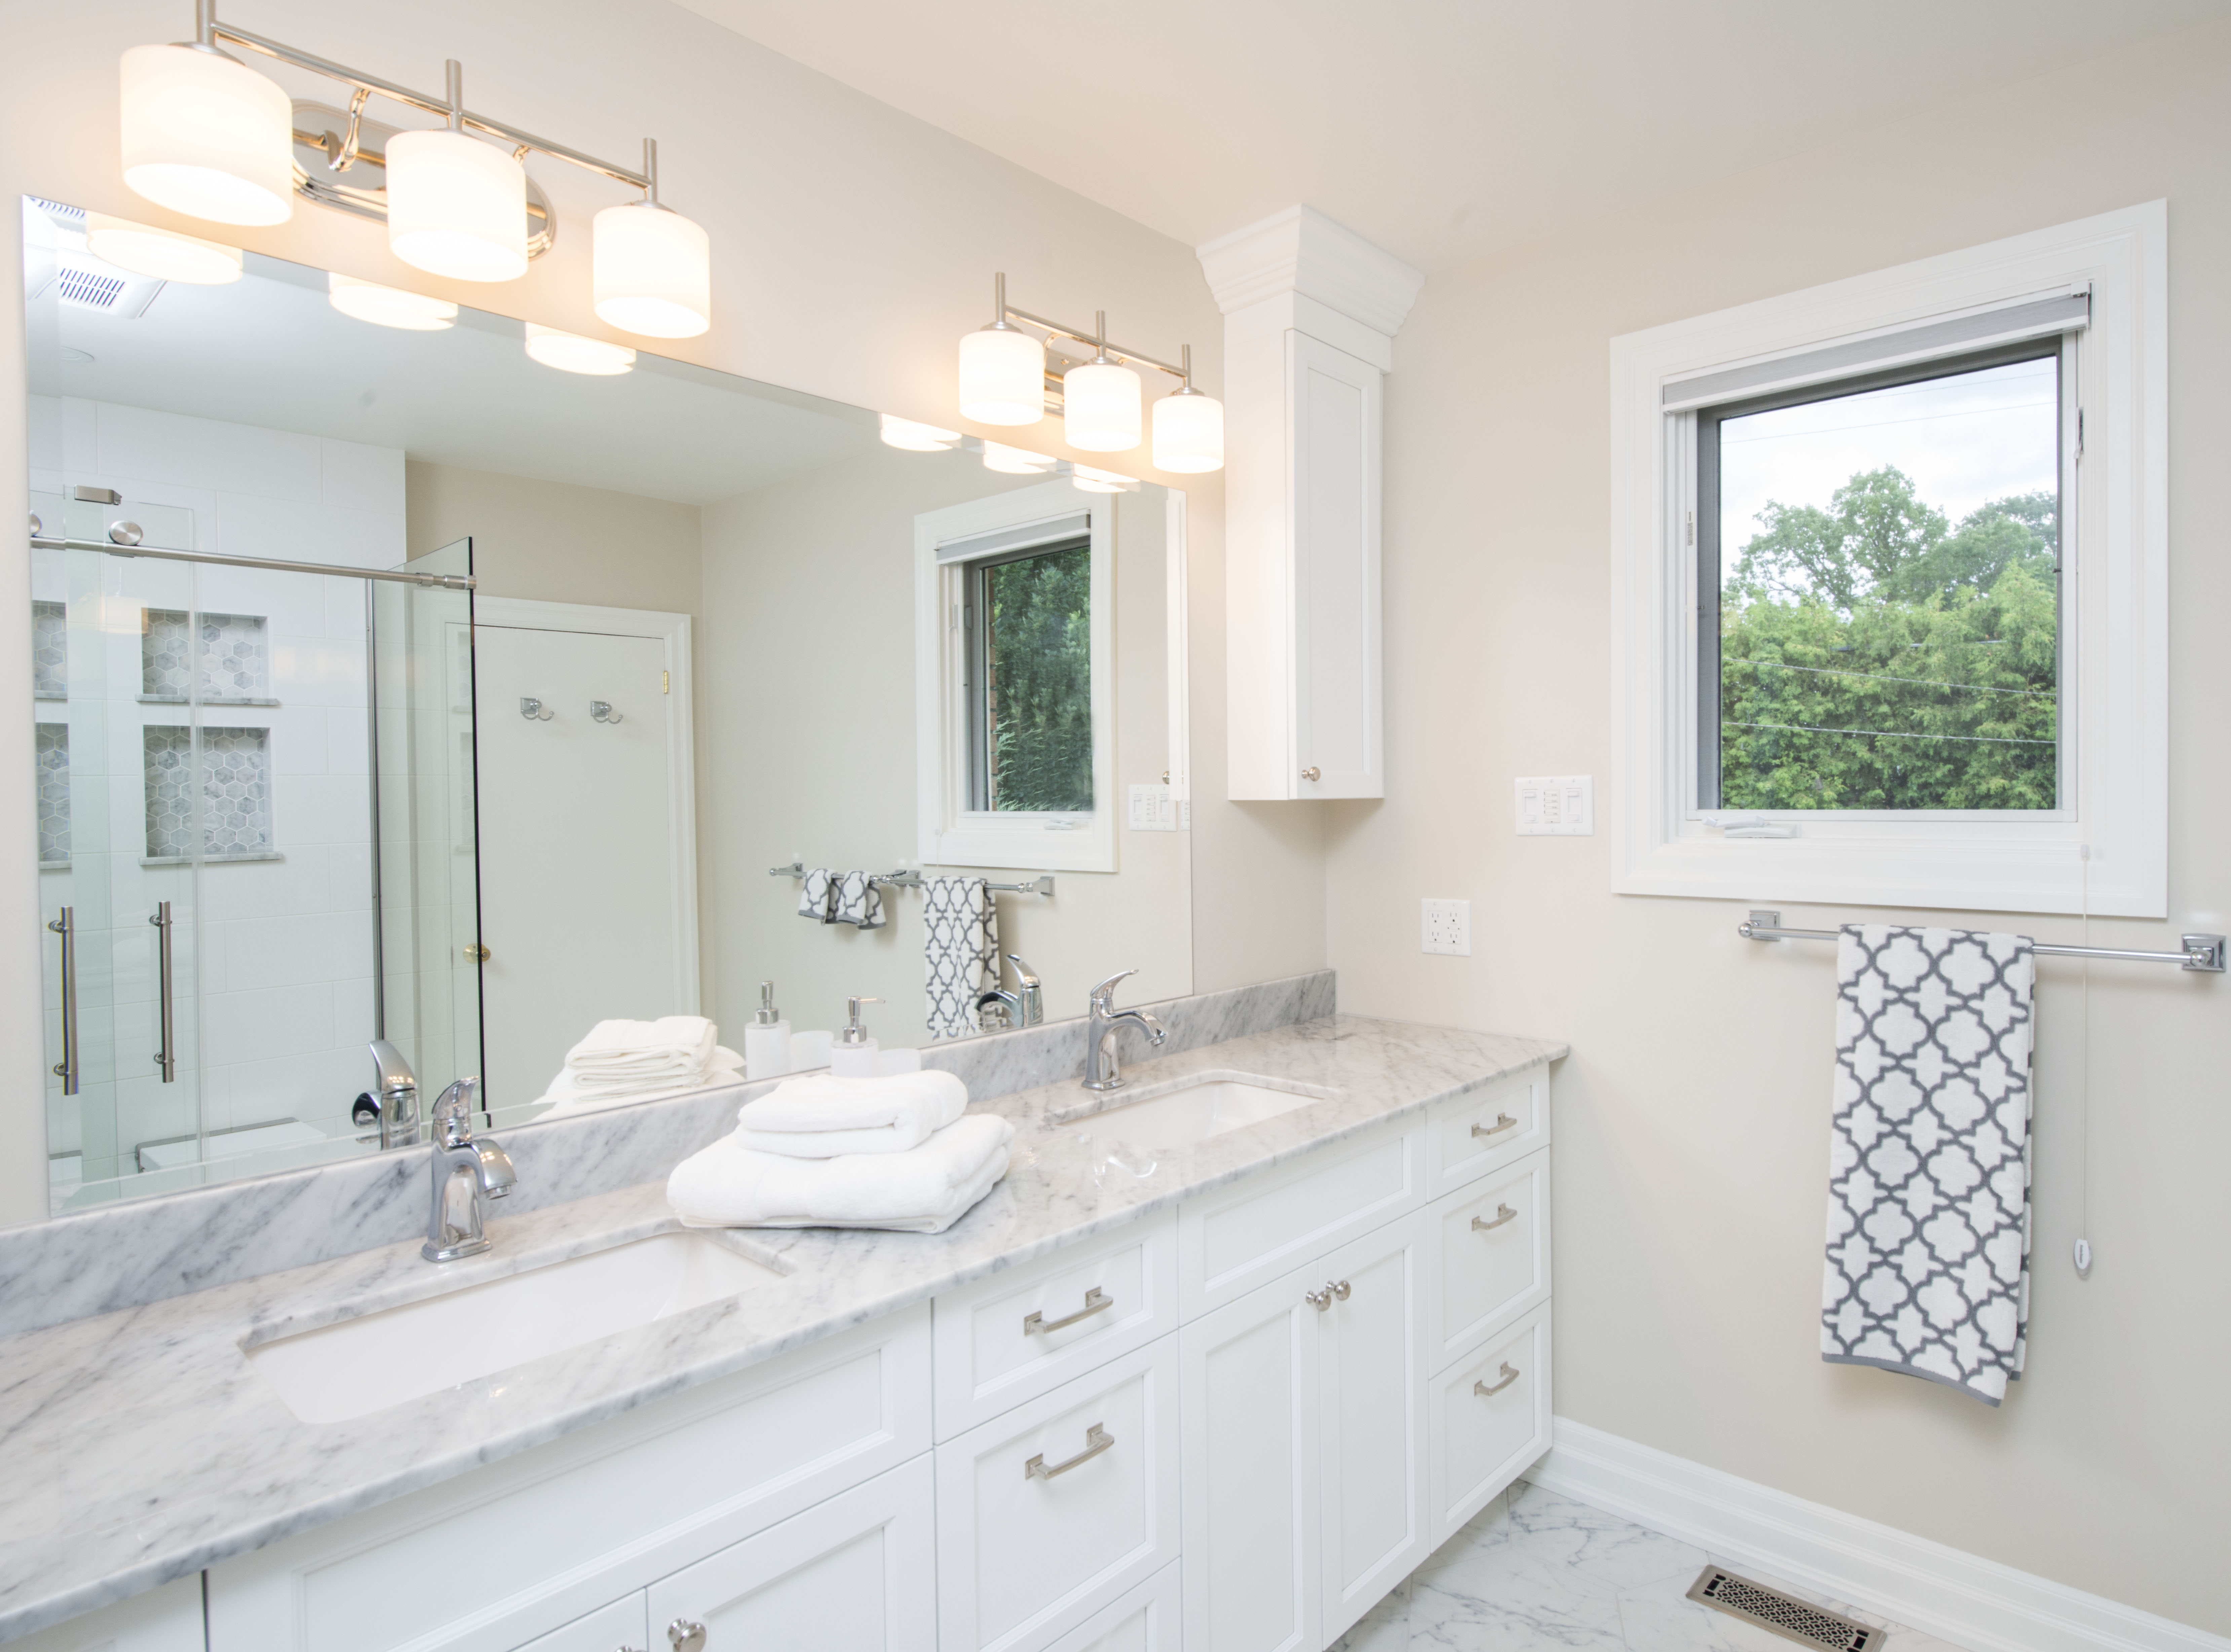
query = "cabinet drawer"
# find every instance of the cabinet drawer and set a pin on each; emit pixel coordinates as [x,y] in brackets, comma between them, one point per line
[1484,1130]
[624,1623]
[1490,1259]
[1040,1524]
[1002,1340]
[1490,1420]
[1145,1620]
[857,1573]
[570,1526]
[1240,1237]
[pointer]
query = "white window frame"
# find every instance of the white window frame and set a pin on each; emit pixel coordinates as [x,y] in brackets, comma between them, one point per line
[2115,540]
[951,834]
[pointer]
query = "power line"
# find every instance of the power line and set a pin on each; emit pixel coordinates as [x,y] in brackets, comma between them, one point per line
[1877,676]
[1890,734]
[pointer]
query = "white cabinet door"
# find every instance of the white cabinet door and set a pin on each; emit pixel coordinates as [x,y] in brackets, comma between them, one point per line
[1371,1390]
[857,1573]
[1247,1378]
[1334,414]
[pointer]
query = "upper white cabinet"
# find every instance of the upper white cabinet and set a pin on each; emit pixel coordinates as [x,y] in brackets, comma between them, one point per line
[1310,312]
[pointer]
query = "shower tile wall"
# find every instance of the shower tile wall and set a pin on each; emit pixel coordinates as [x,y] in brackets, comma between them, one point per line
[285,964]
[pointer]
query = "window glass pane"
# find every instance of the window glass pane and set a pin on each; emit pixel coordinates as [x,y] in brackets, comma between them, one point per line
[1889,597]
[1038,682]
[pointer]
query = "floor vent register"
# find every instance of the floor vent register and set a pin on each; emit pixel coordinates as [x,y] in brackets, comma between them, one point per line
[1787,1615]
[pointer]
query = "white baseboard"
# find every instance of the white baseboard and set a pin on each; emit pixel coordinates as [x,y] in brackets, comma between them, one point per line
[1960,1598]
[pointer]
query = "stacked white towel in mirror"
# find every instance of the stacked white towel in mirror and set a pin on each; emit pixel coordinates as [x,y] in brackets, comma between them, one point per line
[628,1061]
[895,1152]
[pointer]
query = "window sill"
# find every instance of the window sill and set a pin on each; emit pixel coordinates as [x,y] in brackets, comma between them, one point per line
[1024,842]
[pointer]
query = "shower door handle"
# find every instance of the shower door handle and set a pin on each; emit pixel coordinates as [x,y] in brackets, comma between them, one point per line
[166,1057]
[66,1068]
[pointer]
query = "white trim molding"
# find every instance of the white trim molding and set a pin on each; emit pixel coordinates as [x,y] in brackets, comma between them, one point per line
[1925,1585]
[2115,539]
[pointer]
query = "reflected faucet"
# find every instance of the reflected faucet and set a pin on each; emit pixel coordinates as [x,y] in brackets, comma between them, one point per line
[396,1090]
[468,1173]
[1024,1007]
[1103,1022]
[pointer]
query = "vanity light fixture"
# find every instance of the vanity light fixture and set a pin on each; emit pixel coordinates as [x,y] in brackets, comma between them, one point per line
[1017,462]
[570,352]
[206,135]
[1085,479]
[916,437]
[164,255]
[1005,380]
[389,306]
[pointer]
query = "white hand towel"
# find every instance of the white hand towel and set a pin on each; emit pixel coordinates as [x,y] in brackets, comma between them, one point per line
[925,1190]
[855,899]
[821,1102]
[568,1094]
[816,899]
[960,951]
[1928,1267]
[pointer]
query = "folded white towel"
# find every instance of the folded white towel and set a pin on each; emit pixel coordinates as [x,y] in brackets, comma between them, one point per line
[821,1102]
[924,1190]
[568,1094]
[624,1052]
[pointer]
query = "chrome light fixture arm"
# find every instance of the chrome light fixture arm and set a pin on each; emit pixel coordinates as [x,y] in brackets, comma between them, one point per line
[1006,314]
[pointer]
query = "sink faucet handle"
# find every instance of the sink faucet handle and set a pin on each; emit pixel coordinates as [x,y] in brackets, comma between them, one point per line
[1105,994]
[1025,976]
[453,1113]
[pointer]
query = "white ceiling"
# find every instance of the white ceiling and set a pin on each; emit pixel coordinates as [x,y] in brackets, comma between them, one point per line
[1443,130]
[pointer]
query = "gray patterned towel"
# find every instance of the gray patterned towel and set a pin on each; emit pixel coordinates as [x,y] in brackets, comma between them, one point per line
[960,925]
[853,899]
[1929,1161]
[817,900]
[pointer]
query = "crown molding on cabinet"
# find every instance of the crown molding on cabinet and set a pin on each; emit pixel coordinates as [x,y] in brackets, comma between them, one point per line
[1302,251]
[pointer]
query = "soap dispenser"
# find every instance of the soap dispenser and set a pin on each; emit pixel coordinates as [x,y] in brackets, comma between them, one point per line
[853,1055]
[766,1041]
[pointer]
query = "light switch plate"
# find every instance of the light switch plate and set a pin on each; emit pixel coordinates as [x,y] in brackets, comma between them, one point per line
[1557,806]
[1152,809]
[1447,926]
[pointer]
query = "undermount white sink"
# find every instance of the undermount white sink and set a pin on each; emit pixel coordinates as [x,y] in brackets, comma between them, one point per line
[1191,1111]
[357,1366]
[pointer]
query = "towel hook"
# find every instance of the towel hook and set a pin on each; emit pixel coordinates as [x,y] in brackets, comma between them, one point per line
[601,712]
[534,710]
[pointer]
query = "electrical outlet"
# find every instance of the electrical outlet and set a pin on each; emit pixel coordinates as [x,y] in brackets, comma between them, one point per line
[1557,806]
[1447,927]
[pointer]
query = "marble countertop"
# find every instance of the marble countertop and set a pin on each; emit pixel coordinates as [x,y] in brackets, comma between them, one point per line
[140,1445]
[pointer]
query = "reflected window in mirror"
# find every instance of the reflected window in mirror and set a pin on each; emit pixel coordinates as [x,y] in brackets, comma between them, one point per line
[1028,619]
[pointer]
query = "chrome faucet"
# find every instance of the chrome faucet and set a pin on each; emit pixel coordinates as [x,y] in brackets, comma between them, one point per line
[397,1091]
[458,1223]
[1102,1023]
[1024,1007]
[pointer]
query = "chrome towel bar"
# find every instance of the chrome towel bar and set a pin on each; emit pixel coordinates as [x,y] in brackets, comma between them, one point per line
[2203,953]
[912,879]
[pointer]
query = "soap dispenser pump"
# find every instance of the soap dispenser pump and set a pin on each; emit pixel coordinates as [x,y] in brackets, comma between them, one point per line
[766,1041]
[854,1054]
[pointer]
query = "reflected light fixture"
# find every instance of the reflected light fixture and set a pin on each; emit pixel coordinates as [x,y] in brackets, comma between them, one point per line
[1085,479]
[916,438]
[1101,399]
[1188,428]
[1002,369]
[570,352]
[1015,461]
[164,254]
[389,306]
[206,135]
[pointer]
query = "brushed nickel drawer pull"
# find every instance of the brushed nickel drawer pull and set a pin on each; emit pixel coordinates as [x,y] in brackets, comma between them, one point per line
[1502,1213]
[1506,1373]
[1502,1122]
[1096,1439]
[1035,1323]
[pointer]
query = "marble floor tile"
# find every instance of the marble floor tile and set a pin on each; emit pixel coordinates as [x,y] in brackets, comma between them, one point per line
[1536,1573]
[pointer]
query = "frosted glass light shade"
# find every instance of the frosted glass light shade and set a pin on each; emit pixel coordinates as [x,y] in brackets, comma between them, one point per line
[651,270]
[389,306]
[164,253]
[916,438]
[570,352]
[1085,479]
[1099,408]
[1188,433]
[206,135]
[1015,461]
[455,206]
[1002,376]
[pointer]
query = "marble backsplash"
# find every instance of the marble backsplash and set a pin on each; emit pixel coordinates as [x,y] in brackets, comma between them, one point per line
[128,1254]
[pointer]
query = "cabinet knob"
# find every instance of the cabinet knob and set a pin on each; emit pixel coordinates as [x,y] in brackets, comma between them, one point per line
[686,1636]
[1311,772]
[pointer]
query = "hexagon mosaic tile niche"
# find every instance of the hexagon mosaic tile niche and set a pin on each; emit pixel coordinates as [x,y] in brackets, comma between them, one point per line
[235,656]
[236,793]
[49,651]
[54,794]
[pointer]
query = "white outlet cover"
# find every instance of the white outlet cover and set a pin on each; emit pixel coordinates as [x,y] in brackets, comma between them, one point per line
[1557,806]
[1446,926]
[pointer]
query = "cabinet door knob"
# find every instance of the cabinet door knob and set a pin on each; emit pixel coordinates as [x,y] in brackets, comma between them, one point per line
[1339,1290]
[685,1637]
[1319,1299]
[1311,772]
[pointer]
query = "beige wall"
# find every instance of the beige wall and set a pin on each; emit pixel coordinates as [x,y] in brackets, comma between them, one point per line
[1693,1116]
[810,707]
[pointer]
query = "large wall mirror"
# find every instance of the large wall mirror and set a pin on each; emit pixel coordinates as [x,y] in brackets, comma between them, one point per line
[690,684]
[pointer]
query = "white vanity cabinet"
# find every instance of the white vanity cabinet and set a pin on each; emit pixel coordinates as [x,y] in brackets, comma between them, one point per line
[167,1619]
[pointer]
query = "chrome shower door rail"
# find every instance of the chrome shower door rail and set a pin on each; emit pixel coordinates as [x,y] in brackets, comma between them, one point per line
[338,571]
[2202,953]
